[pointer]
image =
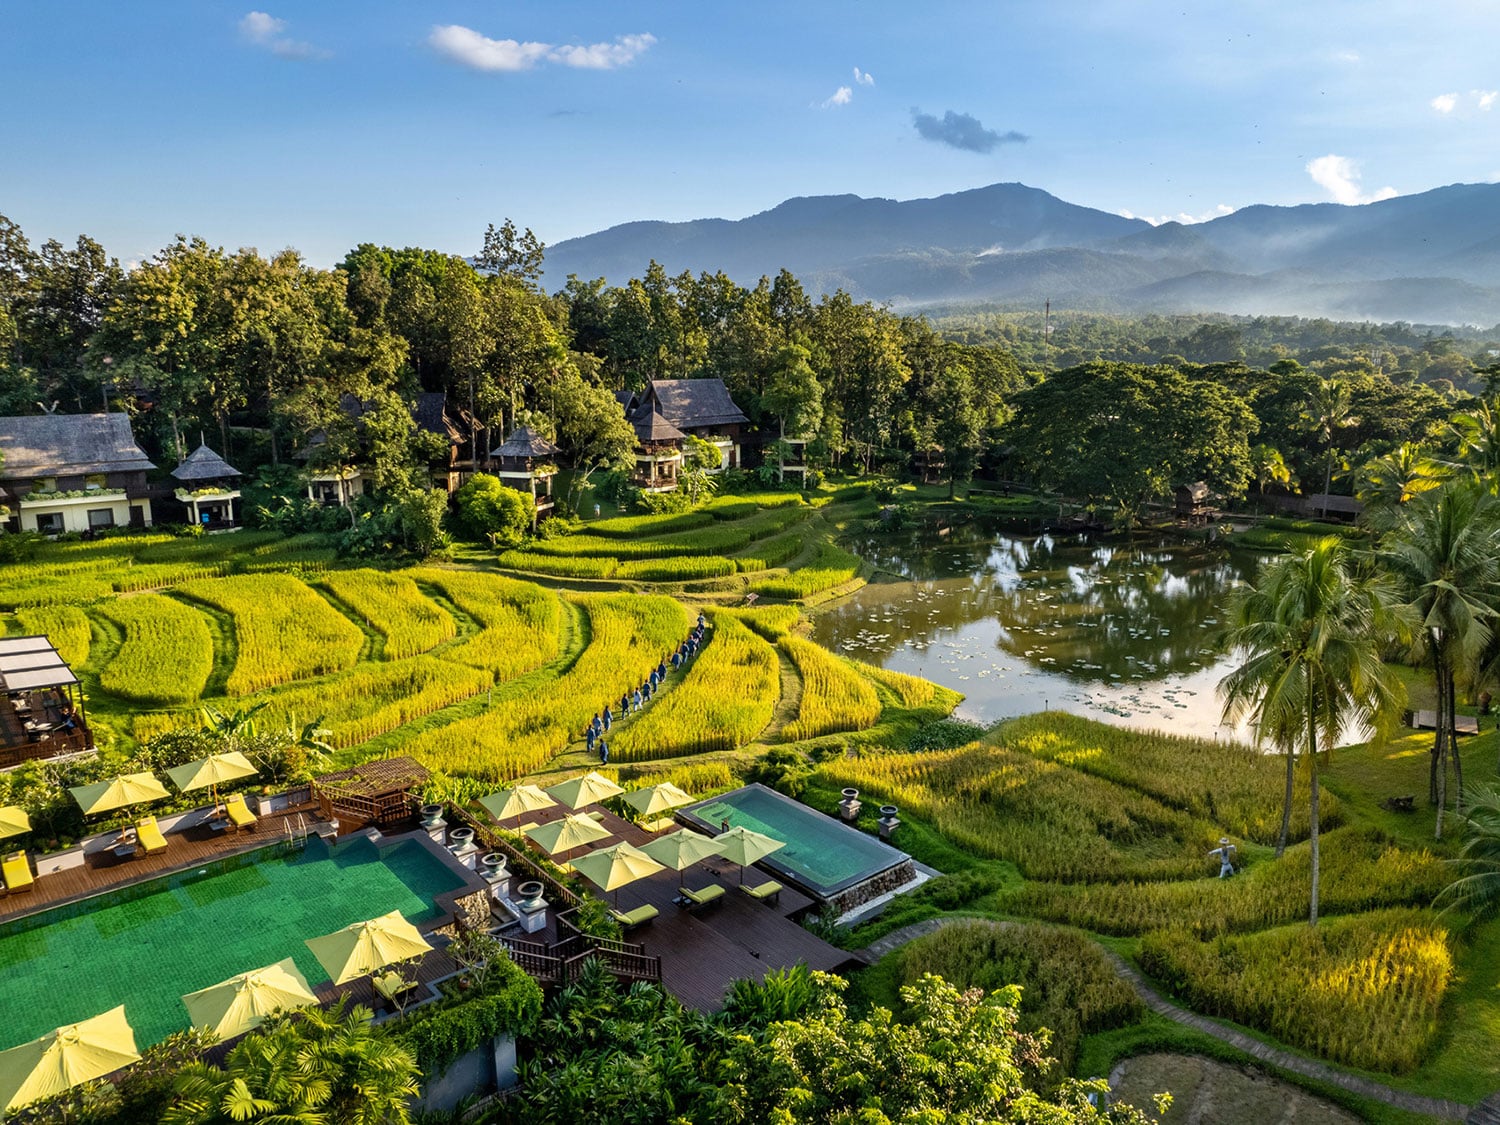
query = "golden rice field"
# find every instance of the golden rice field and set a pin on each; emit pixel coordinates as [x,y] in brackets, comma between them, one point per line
[283,631]
[519,622]
[727,698]
[352,706]
[1051,821]
[913,691]
[697,778]
[1360,870]
[167,653]
[834,696]
[1235,787]
[66,626]
[394,607]
[832,566]
[1364,990]
[771,621]
[629,634]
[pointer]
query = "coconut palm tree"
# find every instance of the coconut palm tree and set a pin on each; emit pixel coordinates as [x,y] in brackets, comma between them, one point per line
[1327,414]
[1310,632]
[1477,890]
[1384,484]
[1478,434]
[1442,553]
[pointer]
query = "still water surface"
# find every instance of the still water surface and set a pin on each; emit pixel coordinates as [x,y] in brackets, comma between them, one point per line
[1019,620]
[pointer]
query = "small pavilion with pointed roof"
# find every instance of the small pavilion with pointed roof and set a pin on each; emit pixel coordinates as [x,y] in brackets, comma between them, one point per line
[658,449]
[526,461]
[210,489]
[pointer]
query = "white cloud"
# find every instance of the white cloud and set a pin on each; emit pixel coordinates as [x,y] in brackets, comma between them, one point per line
[1346,56]
[1182,216]
[466,46]
[863,77]
[1340,178]
[1485,99]
[842,96]
[1444,103]
[264,30]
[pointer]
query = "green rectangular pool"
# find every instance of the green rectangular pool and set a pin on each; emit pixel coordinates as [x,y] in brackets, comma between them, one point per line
[822,855]
[146,945]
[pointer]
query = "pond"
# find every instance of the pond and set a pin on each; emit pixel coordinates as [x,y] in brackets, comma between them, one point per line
[1019,619]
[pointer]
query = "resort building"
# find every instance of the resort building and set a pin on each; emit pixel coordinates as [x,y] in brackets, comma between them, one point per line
[700,407]
[658,446]
[39,716]
[456,463]
[73,472]
[526,461]
[209,488]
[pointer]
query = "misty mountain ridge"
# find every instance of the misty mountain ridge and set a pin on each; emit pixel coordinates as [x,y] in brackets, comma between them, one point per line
[1432,258]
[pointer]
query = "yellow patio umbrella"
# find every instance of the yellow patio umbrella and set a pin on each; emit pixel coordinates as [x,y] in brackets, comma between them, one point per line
[62,1059]
[130,789]
[572,831]
[516,802]
[589,789]
[361,949]
[242,1002]
[211,772]
[657,799]
[611,868]
[680,850]
[746,846]
[13,821]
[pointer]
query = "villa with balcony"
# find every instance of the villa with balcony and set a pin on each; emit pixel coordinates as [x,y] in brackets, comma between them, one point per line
[526,461]
[73,473]
[700,407]
[209,488]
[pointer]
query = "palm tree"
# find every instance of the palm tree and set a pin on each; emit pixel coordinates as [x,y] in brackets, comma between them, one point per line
[1478,889]
[1386,483]
[1442,553]
[1478,433]
[1310,632]
[1327,413]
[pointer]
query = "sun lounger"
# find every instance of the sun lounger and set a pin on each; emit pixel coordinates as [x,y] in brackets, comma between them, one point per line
[239,813]
[659,823]
[689,898]
[596,816]
[17,872]
[392,987]
[637,917]
[765,892]
[148,833]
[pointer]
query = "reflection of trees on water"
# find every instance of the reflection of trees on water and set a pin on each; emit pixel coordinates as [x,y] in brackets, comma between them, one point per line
[1091,610]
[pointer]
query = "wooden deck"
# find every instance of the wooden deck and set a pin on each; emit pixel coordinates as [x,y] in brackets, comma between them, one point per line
[704,949]
[102,871]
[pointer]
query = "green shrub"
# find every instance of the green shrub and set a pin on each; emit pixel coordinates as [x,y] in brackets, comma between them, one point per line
[438,1034]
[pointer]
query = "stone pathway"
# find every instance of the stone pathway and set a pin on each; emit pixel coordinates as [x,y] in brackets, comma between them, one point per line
[1486,1113]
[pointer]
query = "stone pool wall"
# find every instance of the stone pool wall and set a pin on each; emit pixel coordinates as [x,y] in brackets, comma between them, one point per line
[873,887]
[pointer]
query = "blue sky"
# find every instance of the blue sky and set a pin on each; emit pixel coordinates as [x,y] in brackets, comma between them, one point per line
[319,125]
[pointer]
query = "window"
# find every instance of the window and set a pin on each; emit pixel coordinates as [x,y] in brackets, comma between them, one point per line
[50,523]
[94,480]
[44,484]
[101,518]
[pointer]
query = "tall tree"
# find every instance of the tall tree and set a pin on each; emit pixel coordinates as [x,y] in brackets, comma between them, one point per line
[510,253]
[1328,414]
[1444,552]
[1310,633]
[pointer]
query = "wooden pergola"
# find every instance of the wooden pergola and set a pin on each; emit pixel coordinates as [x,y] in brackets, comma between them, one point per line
[379,793]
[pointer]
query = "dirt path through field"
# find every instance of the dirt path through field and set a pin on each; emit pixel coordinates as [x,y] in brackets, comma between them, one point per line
[1272,1056]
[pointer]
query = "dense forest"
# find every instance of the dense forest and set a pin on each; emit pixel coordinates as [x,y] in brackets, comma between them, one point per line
[265,352]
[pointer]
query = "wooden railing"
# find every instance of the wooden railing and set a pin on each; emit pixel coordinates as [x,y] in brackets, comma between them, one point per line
[54,745]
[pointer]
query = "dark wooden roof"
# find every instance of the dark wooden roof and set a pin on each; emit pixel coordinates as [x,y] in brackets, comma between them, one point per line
[204,464]
[376,778]
[1198,490]
[524,442]
[42,445]
[651,426]
[690,403]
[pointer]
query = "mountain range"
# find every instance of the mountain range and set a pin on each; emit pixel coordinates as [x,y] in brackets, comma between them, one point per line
[1431,258]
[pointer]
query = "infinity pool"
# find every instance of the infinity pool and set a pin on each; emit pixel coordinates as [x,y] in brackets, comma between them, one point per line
[821,854]
[146,945]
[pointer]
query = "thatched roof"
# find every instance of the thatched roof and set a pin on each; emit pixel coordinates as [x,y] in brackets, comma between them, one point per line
[524,442]
[46,445]
[204,464]
[375,778]
[694,403]
[651,426]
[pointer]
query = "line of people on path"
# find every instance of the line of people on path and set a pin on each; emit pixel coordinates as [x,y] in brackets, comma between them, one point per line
[632,702]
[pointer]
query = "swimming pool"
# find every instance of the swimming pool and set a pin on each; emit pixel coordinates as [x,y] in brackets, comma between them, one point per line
[822,856]
[146,945]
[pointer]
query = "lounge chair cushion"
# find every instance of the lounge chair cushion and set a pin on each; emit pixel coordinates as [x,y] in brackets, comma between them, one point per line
[392,985]
[238,812]
[148,834]
[711,893]
[766,891]
[17,872]
[639,916]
